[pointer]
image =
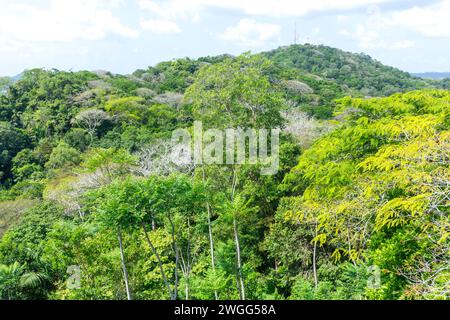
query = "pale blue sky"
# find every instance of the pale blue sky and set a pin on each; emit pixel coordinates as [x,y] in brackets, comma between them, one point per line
[124,35]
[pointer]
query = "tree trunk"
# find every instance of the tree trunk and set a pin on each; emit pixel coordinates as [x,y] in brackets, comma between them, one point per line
[241,287]
[238,287]
[124,268]
[186,269]
[314,261]
[188,258]
[239,263]
[158,258]
[177,259]
[210,234]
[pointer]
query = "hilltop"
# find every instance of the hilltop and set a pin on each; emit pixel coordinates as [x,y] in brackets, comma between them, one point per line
[355,73]
[312,75]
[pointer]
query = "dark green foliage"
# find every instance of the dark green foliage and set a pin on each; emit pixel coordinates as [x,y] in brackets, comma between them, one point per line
[174,75]
[366,189]
[12,141]
[22,248]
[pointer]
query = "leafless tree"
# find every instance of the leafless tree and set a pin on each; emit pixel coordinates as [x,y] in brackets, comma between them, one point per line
[303,127]
[172,99]
[428,274]
[163,157]
[297,87]
[90,120]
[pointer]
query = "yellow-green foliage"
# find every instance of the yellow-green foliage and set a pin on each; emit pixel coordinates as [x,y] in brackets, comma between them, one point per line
[131,108]
[386,167]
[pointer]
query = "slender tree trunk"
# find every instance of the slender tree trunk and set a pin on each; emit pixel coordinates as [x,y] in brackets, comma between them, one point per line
[177,259]
[236,240]
[175,291]
[91,137]
[239,262]
[314,260]
[158,258]
[124,268]
[186,269]
[238,287]
[210,234]
[81,213]
[188,258]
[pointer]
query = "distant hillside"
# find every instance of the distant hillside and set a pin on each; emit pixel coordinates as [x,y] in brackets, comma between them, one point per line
[313,76]
[17,77]
[5,82]
[433,75]
[354,73]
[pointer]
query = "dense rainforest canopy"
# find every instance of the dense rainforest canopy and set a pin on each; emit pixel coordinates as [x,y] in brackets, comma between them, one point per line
[91,206]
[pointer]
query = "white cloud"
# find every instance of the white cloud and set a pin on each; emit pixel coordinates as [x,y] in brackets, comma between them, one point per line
[342,18]
[173,9]
[431,21]
[160,26]
[373,33]
[23,21]
[403,44]
[368,38]
[345,33]
[250,33]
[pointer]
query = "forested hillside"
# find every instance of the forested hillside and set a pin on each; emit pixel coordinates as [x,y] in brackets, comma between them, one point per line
[92,207]
[354,73]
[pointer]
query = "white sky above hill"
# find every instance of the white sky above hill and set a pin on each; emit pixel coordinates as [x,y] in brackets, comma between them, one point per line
[124,35]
